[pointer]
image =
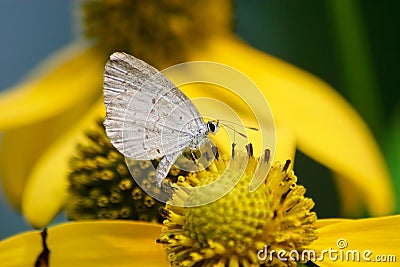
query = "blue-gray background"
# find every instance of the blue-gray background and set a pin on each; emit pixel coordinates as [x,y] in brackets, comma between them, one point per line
[29,31]
[296,31]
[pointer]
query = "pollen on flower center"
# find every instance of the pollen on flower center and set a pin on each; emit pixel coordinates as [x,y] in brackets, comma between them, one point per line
[231,230]
[100,184]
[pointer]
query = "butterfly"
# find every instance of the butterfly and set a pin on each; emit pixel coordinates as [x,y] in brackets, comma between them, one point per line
[147,116]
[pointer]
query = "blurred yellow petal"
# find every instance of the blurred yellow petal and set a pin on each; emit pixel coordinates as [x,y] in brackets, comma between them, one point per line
[89,243]
[381,236]
[71,76]
[326,127]
[20,250]
[46,186]
[35,113]
[21,147]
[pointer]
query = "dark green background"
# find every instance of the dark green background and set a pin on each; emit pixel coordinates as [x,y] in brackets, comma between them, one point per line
[303,33]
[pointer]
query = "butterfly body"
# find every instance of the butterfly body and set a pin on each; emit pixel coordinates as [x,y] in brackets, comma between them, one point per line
[147,116]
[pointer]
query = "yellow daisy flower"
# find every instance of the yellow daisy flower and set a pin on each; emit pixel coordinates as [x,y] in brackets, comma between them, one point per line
[272,226]
[310,115]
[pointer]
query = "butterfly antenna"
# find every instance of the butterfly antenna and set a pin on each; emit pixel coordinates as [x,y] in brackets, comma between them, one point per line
[237,124]
[234,131]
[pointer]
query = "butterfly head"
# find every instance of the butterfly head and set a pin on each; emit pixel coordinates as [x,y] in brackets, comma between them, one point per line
[213,126]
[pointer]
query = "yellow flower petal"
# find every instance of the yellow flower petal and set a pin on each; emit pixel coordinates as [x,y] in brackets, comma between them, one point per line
[380,236]
[69,77]
[35,113]
[326,127]
[46,187]
[324,222]
[22,146]
[20,250]
[89,243]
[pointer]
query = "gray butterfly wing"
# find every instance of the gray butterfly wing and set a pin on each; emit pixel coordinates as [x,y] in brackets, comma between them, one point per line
[125,74]
[147,116]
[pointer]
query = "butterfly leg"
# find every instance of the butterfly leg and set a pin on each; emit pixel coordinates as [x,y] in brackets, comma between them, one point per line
[195,160]
[164,166]
[194,157]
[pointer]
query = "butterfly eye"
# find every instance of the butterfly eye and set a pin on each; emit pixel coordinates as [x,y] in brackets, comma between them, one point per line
[212,127]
